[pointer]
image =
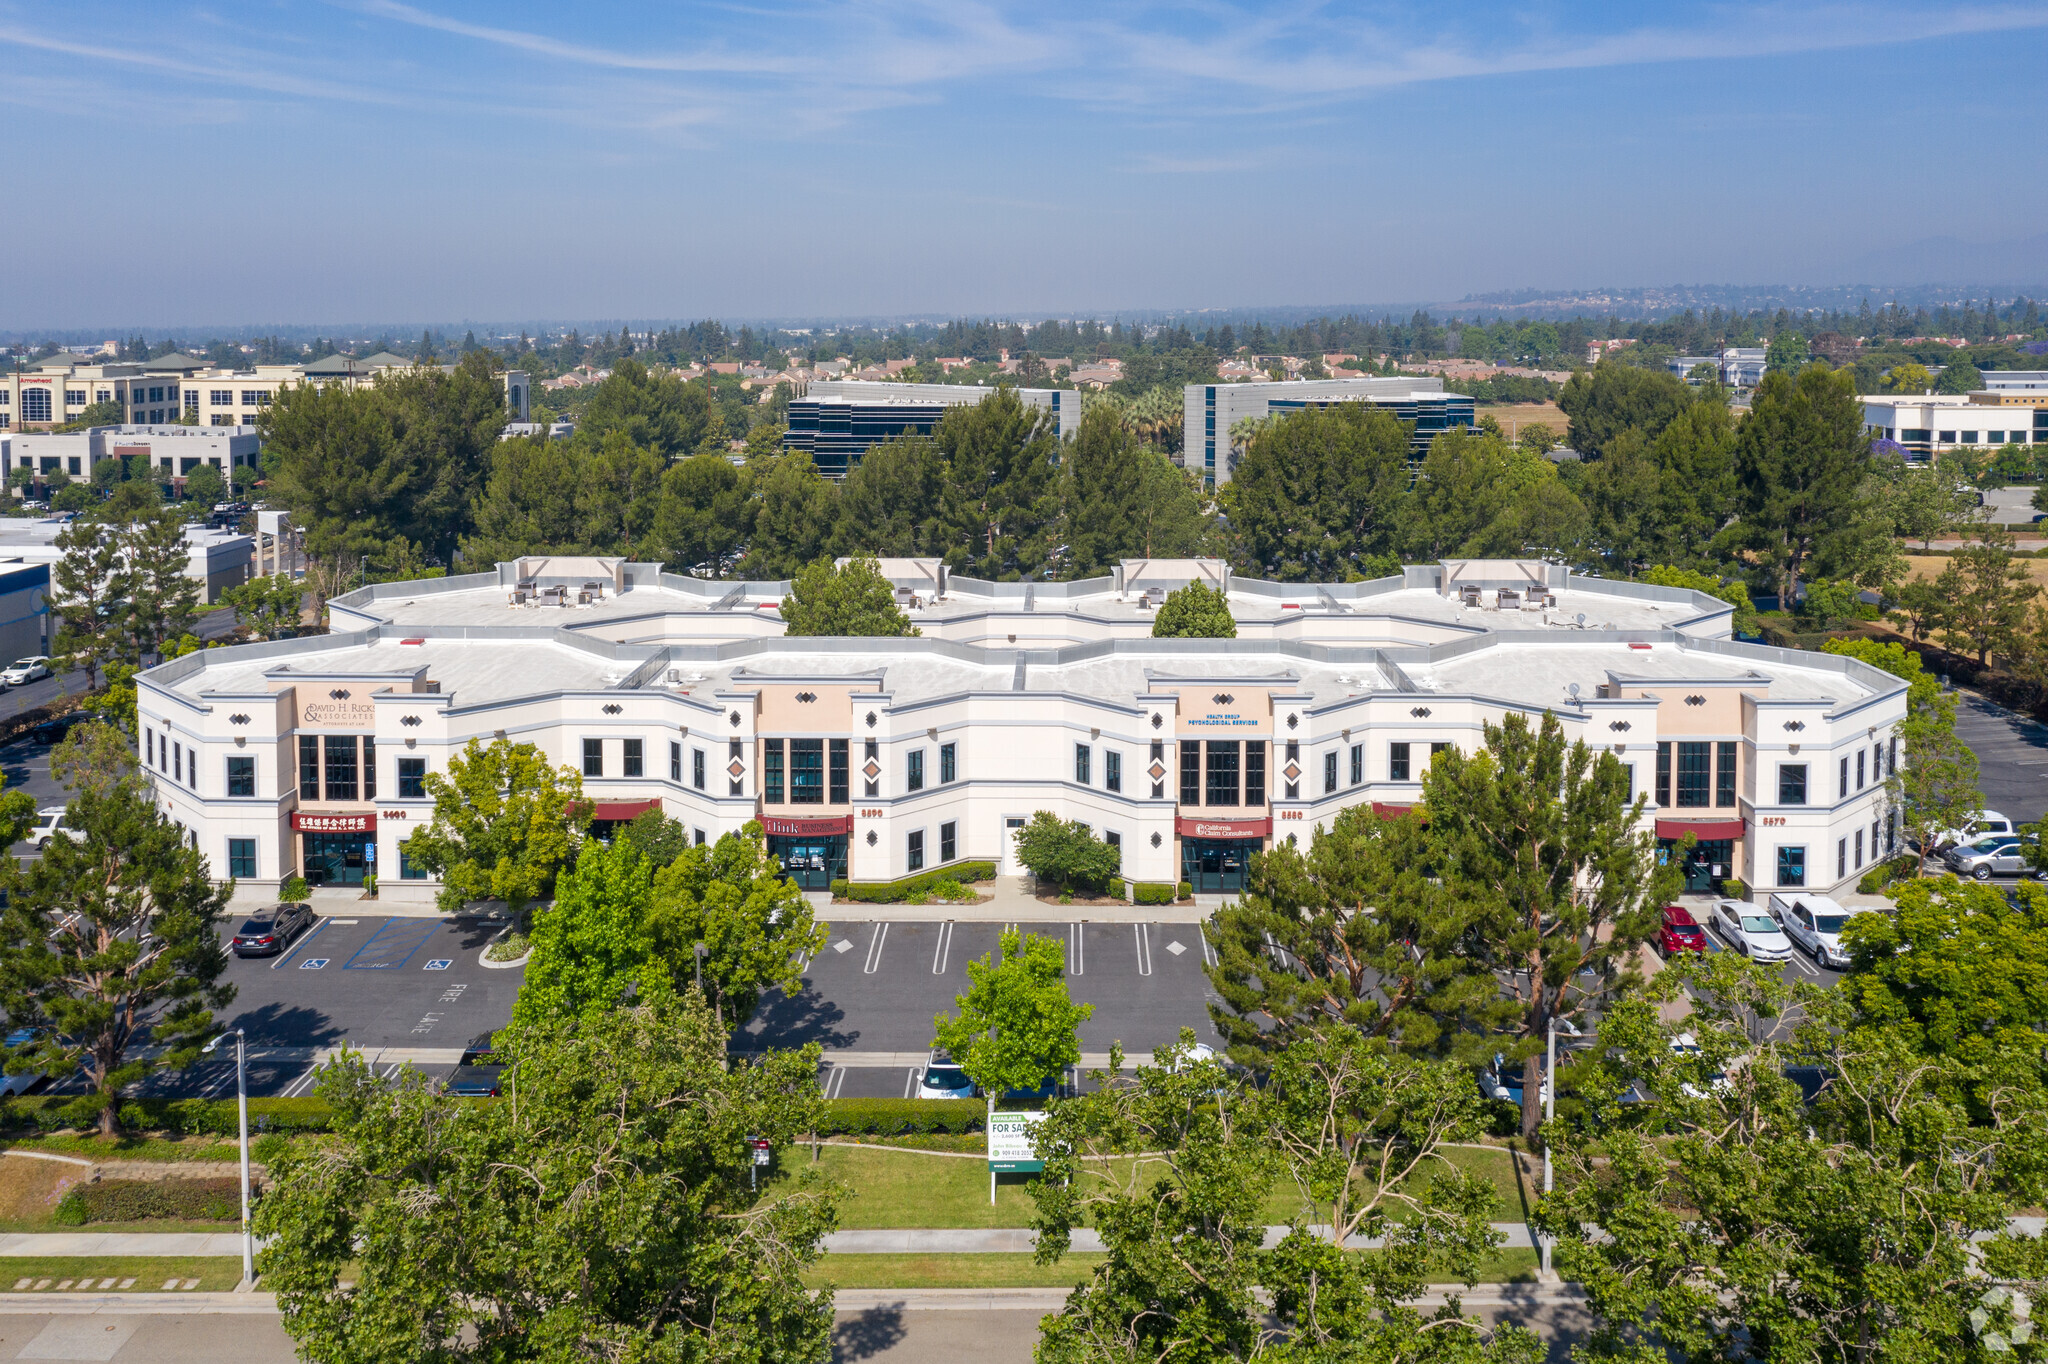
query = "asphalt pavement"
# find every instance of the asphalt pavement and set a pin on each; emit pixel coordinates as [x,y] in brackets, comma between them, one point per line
[2012,756]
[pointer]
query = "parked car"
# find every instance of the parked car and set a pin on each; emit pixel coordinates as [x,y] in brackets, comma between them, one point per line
[475,1076]
[26,1080]
[25,670]
[55,729]
[49,826]
[1989,822]
[1989,856]
[1680,932]
[1750,931]
[267,932]
[1500,1080]
[1815,923]
[942,1079]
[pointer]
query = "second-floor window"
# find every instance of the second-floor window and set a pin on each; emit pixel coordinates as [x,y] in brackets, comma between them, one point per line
[593,757]
[412,778]
[913,770]
[635,758]
[241,776]
[1081,758]
[949,765]
[1792,783]
[1112,770]
[697,768]
[1694,774]
[1397,762]
[1329,773]
[807,771]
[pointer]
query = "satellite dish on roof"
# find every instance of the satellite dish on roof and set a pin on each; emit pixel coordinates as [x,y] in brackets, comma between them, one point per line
[1582,617]
[1574,690]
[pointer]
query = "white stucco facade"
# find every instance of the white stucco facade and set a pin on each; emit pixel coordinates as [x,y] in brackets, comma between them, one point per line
[874,758]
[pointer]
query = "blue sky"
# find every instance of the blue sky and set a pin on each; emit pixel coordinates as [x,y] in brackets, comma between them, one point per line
[379,160]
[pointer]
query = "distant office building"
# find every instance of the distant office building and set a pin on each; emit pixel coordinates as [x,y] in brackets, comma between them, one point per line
[1210,411]
[1736,367]
[836,420]
[177,450]
[2017,381]
[178,387]
[215,559]
[1927,424]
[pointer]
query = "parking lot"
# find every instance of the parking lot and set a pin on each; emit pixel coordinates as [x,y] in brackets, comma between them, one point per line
[869,998]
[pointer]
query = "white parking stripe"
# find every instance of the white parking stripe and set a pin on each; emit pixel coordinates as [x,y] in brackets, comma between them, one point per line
[875,948]
[944,948]
[1075,950]
[910,1083]
[1144,950]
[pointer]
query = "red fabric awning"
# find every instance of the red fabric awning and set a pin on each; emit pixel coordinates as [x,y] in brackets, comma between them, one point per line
[1702,829]
[312,822]
[782,827]
[1386,811]
[1224,828]
[620,811]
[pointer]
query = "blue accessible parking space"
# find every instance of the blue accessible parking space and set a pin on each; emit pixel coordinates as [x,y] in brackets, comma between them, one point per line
[393,945]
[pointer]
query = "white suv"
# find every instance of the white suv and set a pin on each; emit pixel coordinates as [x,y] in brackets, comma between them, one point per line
[1815,923]
[49,825]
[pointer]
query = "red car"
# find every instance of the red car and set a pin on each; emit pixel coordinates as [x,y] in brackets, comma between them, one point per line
[1680,933]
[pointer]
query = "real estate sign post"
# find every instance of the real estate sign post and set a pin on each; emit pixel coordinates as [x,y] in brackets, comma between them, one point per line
[1009,1146]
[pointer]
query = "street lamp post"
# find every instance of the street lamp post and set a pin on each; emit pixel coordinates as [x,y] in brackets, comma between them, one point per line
[242,1102]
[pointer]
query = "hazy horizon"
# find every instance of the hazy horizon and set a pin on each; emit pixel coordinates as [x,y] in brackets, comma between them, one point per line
[370,158]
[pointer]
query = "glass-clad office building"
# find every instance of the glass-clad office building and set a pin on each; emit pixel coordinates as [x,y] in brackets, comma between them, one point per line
[1212,411]
[836,420]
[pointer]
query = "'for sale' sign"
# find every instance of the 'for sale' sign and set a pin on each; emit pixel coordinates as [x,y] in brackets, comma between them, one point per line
[1009,1142]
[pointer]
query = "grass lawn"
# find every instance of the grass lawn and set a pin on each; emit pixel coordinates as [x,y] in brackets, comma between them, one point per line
[897,1189]
[1017,1271]
[150,1274]
[131,1148]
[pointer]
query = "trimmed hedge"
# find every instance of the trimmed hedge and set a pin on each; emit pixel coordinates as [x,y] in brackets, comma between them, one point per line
[140,1200]
[176,1117]
[896,1117]
[894,892]
[1884,873]
[1153,892]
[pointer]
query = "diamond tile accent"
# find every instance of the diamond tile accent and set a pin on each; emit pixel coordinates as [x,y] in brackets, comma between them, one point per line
[872,770]
[1293,771]
[737,768]
[1158,771]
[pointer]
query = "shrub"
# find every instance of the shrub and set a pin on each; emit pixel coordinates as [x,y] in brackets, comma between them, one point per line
[1500,1117]
[1153,892]
[896,892]
[71,1209]
[1735,890]
[173,1117]
[511,947]
[1884,873]
[1186,890]
[141,1200]
[896,1117]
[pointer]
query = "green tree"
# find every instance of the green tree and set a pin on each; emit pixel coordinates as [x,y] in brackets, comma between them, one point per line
[704,517]
[1001,501]
[1985,593]
[1017,1027]
[754,924]
[1543,838]
[1787,351]
[1478,495]
[1737,1218]
[1195,611]
[604,1210]
[1909,378]
[1894,658]
[506,821]
[97,414]
[1122,501]
[162,599]
[205,486]
[1735,594]
[1374,942]
[1927,502]
[659,412]
[110,940]
[1934,788]
[590,946]
[1066,852]
[74,497]
[1608,399]
[1960,377]
[268,607]
[795,515]
[1318,488]
[853,600]
[890,503]
[1801,457]
[90,588]
[1922,608]
[97,756]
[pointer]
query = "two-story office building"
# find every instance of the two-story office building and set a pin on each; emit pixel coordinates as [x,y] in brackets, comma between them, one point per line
[875,758]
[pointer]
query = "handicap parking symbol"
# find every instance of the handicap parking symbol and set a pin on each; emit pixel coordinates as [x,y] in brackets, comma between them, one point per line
[440,963]
[312,963]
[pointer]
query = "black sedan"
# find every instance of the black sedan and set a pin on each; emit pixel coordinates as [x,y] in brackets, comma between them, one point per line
[474,1076]
[269,931]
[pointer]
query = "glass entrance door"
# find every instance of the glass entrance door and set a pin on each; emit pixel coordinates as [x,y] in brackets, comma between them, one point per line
[334,859]
[1216,865]
[813,862]
[1708,864]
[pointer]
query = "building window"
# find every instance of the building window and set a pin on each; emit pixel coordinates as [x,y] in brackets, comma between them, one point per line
[191,400]
[949,764]
[635,758]
[412,778]
[1791,866]
[1329,772]
[1844,780]
[675,763]
[309,767]
[593,757]
[242,777]
[840,766]
[369,768]
[1724,777]
[1860,755]
[1081,754]
[913,769]
[1694,774]
[1664,774]
[771,771]
[697,768]
[74,397]
[1357,764]
[1190,771]
[807,771]
[1255,772]
[1112,770]
[1841,858]
[1792,783]
[869,752]
[698,834]
[242,858]
[1859,849]
[149,748]
[948,848]
[35,404]
[1397,762]
[409,870]
[221,397]
[917,851]
[1892,762]
[255,397]
[341,767]
[1222,774]
[1435,749]
[1630,770]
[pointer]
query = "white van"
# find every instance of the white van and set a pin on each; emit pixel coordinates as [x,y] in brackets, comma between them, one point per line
[1814,922]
